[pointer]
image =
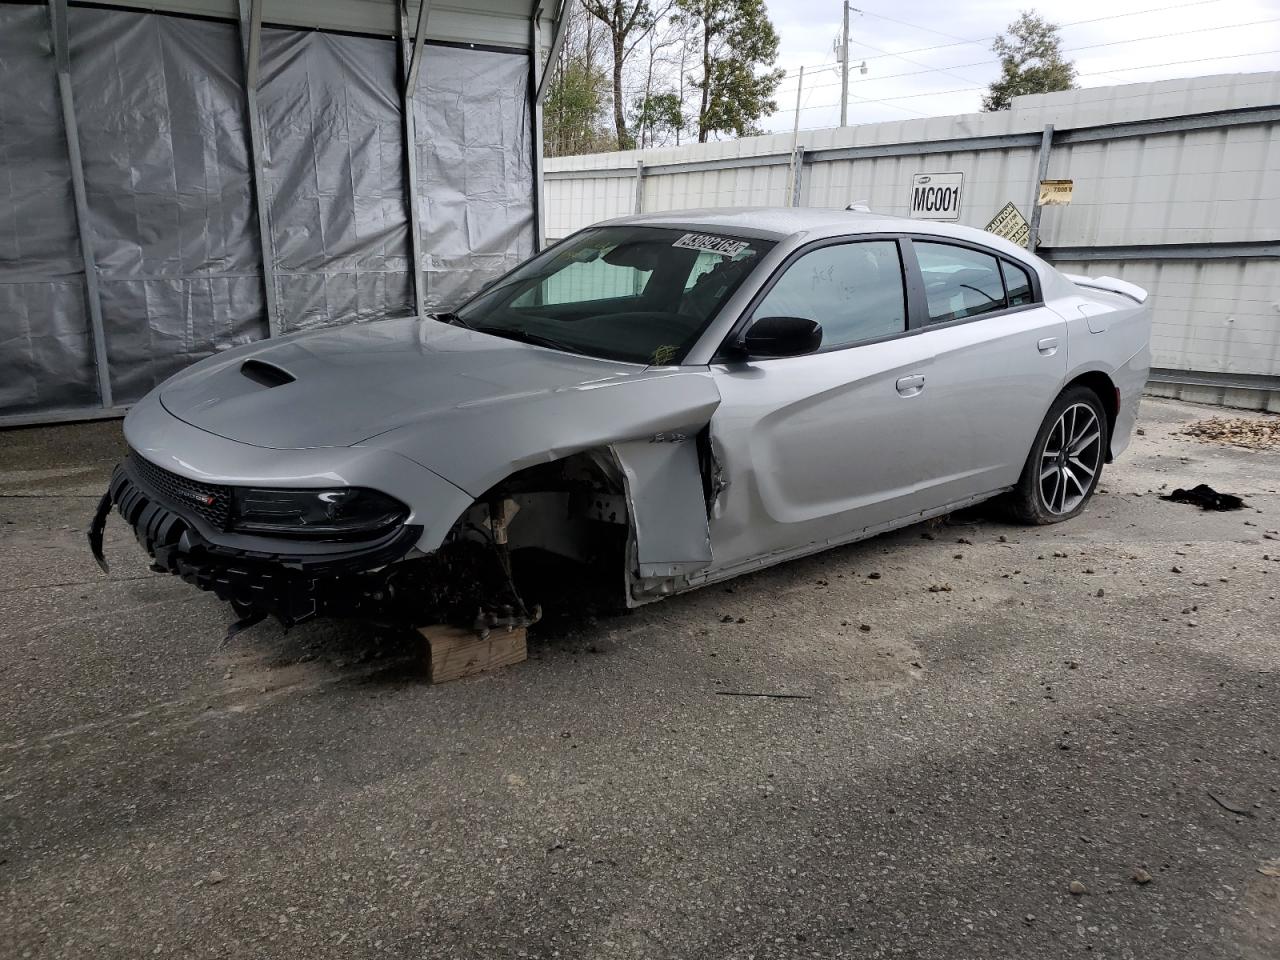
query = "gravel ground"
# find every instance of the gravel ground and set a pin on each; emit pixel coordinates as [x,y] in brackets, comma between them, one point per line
[1083,704]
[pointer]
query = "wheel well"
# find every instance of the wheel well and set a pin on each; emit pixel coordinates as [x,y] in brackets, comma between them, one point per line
[571,511]
[1107,395]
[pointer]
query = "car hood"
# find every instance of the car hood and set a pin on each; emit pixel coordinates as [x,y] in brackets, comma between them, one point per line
[341,386]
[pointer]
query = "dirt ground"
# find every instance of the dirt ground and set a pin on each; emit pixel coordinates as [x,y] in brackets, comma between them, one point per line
[1002,712]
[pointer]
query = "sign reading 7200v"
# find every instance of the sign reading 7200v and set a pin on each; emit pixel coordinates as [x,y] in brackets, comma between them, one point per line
[936,196]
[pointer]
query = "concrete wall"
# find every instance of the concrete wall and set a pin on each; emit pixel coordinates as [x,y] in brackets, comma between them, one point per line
[1176,188]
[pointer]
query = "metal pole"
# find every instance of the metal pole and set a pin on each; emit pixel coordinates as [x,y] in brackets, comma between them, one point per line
[62,54]
[408,58]
[639,186]
[535,82]
[251,47]
[1042,168]
[557,42]
[797,158]
[419,38]
[793,173]
[844,69]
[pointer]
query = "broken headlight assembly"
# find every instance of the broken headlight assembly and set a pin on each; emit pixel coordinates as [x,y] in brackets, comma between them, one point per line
[343,513]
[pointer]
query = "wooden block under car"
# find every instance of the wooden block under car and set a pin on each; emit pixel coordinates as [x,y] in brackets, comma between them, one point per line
[456,653]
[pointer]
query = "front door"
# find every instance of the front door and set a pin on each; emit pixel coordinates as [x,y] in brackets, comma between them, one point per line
[817,448]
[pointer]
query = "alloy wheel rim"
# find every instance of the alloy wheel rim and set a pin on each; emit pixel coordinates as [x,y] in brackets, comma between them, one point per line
[1070,459]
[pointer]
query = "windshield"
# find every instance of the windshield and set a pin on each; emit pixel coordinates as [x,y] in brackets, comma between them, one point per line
[637,294]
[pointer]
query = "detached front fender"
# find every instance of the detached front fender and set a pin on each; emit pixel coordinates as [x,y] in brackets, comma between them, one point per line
[667,503]
[648,421]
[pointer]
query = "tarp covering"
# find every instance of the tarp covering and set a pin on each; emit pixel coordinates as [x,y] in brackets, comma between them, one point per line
[335,177]
[46,355]
[160,106]
[162,119]
[474,133]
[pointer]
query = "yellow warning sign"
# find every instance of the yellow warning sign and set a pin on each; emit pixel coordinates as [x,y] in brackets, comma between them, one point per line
[1054,193]
[1010,224]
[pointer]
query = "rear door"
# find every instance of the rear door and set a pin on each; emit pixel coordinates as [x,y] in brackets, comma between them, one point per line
[999,358]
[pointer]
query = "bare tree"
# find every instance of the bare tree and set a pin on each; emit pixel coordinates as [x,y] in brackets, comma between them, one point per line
[627,22]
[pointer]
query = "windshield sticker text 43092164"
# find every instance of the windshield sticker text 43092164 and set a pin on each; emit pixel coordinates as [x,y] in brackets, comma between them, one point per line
[711,244]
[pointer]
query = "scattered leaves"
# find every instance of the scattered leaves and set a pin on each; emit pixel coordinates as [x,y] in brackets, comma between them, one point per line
[1262,433]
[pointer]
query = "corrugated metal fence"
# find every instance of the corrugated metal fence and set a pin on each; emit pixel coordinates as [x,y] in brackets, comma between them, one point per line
[1176,188]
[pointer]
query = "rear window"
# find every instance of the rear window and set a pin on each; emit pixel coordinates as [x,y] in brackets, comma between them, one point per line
[959,282]
[1017,283]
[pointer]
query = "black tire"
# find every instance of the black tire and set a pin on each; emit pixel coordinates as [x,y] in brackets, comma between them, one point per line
[1037,499]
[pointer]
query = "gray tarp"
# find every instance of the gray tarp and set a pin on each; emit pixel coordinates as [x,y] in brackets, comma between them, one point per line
[46,355]
[161,113]
[335,177]
[160,107]
[475,168]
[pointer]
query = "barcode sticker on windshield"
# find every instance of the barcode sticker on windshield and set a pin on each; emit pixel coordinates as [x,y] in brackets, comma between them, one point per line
[711,244]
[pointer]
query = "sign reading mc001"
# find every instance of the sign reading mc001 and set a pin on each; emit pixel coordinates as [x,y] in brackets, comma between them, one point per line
[936,196]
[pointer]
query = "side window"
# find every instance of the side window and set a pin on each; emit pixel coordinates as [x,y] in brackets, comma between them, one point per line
[959,282]
[1017,282]
[854,290]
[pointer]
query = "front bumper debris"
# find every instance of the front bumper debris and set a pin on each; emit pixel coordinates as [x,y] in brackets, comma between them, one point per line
[342,579]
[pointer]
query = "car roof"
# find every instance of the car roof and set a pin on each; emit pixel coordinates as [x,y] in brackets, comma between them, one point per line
[778,223]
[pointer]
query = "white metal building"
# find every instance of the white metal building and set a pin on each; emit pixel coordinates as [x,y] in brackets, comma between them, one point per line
[1176,188]
[181,176]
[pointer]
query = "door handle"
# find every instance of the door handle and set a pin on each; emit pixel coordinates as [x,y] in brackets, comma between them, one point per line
[1048,346]
[910,386]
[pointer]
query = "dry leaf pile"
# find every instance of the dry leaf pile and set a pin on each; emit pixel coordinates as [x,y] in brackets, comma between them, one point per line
[1254,434]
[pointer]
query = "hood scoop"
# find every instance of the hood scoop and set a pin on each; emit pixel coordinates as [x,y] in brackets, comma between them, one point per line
[266,374]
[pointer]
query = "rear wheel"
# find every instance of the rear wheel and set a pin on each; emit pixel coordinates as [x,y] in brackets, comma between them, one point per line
[1065,462]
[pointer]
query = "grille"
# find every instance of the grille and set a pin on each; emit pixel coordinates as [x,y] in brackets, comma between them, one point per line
[208,500]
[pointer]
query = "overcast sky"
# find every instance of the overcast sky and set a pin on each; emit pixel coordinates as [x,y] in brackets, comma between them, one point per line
[1127,41]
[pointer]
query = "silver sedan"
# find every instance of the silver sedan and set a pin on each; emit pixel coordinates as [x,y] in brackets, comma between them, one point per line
[658,402]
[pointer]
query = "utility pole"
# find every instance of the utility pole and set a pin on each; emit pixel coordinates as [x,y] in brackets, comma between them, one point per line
[844,69]
[795,130]
[795,139]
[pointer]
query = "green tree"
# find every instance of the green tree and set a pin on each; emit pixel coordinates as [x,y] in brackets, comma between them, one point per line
[737,40]
[658,115]
[573,115]
[1030,62]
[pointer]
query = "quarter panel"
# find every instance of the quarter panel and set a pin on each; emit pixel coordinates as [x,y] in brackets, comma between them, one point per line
[476,445]
[1118,346]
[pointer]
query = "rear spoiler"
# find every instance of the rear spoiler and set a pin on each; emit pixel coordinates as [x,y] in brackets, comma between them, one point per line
[1111,285]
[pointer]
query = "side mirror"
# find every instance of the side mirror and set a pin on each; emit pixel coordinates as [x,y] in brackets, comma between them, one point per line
[780,337]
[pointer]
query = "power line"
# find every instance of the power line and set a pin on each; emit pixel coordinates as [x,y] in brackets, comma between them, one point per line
[1093,73]
[982,40]
[863,43]
[916,26]
[1073,23]
[1091,46]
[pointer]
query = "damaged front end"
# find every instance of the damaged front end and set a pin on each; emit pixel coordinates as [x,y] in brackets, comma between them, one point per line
[355,556]
[211,536]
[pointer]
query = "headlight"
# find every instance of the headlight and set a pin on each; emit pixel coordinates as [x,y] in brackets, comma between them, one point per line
[349,512]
